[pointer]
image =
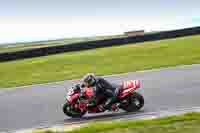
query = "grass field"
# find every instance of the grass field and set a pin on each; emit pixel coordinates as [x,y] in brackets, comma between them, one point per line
[188,123]
[102,61]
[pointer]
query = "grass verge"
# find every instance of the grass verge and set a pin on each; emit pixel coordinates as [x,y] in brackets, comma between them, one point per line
[187,123]
[102,61]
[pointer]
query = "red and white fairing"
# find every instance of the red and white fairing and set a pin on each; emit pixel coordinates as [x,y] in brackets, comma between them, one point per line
[129,86]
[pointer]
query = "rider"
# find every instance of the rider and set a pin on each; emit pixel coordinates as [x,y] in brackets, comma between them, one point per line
[102,86]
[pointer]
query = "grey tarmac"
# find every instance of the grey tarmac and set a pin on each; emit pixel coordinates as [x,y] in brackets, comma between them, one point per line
[40,105]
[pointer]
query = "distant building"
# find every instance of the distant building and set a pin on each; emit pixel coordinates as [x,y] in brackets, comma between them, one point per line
[134,33]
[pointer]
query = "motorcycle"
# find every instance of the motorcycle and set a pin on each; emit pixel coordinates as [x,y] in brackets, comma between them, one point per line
[77,100]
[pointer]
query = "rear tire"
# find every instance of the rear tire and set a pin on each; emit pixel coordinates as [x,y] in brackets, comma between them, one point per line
[135,102]
[69,111]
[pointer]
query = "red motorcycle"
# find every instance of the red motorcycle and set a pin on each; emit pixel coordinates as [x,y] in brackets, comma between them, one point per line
[77,100]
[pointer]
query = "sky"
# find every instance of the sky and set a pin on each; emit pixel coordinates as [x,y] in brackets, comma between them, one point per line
[34,20]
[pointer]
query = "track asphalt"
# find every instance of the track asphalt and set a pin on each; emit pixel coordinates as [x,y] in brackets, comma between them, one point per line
[38,105]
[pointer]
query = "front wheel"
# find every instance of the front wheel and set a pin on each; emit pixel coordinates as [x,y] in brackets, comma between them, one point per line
[133,103]
[71,112]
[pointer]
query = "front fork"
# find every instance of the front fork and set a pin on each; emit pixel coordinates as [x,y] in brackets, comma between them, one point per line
[81,105]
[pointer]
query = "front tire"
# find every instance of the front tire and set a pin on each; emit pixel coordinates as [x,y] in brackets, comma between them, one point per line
[69,111]
[133,103]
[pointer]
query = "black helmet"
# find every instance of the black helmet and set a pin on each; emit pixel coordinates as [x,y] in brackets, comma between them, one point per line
[89,79]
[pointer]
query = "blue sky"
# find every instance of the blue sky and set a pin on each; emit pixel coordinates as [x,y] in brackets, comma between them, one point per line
[31,20]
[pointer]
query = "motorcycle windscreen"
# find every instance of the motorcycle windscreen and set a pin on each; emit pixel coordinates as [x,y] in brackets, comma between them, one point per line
[73,97]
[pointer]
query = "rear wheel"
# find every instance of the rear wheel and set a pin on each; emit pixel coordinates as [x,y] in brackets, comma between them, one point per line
[133,103]
[71,112]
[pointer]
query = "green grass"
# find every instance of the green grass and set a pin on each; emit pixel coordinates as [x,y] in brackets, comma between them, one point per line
[188,123]
[102,61]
